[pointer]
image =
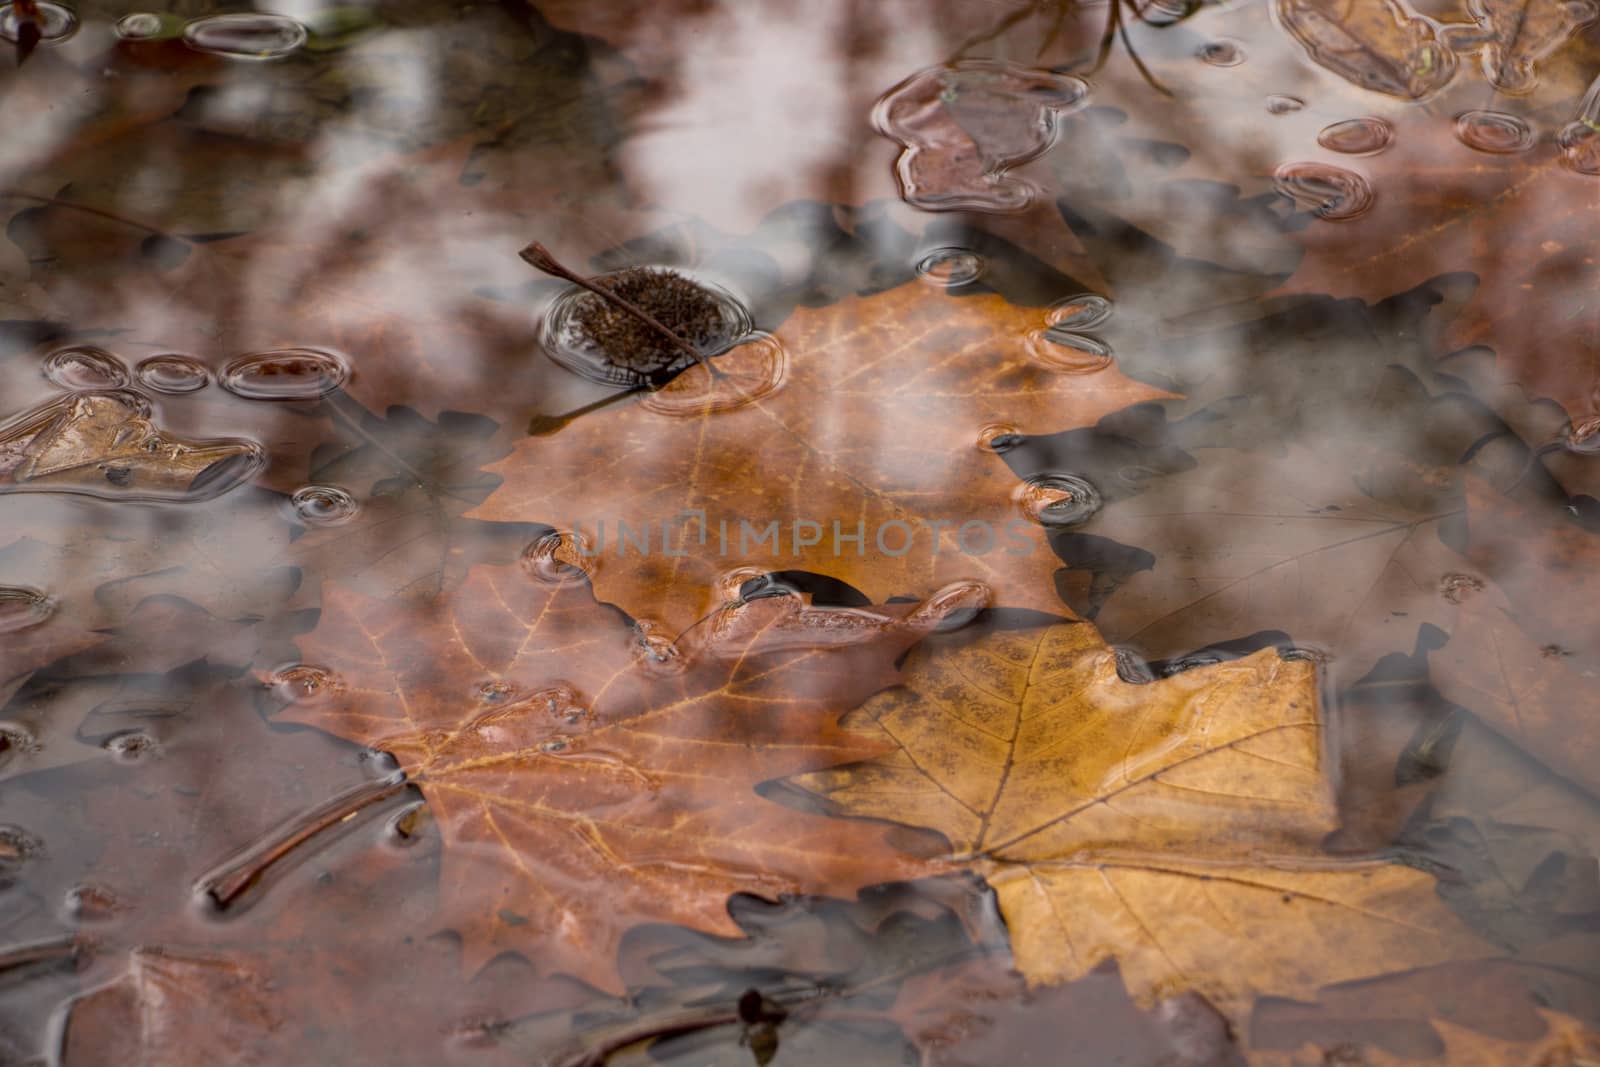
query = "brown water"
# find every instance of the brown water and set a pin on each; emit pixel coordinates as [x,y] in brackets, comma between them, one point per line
[1260,326]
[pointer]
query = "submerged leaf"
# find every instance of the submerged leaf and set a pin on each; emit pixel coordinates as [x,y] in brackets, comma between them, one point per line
[1155,824]
[586,778]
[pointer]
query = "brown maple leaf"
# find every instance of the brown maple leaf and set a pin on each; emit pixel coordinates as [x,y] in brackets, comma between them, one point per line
[586,781]
[916,379]
[1520,220]
[1157,824]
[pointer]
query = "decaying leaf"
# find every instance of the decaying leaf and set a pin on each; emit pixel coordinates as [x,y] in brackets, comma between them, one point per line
[1155,824]
[917,380]
[587,778]
[107,444]
[1512,36]
[1376,44]
[171,1008]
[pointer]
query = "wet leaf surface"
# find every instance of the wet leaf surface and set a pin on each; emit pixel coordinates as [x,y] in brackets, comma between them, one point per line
[920,379]
[1145,823]
[1323,270]
[537,723]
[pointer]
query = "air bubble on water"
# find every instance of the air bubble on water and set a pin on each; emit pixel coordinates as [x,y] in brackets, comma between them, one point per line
[323,505]
[1328,192]
[15,740]
[656,649]
[130,746]
[141,26]
[1058,500]
[751,371]
[84,367]
[302,683]
[1220,53]
[1069,352]
[245,35]
[1583,436]
[172,374]
[1580,148]
[1494,132]
[1456,587]
[285,374]
[22,607]
[495,692]
[1190,662]
[950,268]
[55,22]
[89,902]
[1279,104]
[17,844]
[1082,312]
[1358,137]
[1579,140]
[999,437]
[559,556]
[729,586]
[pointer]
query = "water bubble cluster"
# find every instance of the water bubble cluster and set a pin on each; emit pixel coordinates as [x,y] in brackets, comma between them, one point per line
[1064,345]
[1328,192]
[1494,132]
[1358,137]
[285,374]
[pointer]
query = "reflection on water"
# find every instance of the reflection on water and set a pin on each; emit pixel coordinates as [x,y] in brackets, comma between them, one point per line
[1218,328]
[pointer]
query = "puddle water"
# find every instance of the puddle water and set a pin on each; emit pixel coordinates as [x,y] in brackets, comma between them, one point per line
[1049,532]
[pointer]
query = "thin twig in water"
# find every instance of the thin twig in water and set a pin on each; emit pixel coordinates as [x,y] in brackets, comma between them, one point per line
[227,883]
[18,194]
[539,256]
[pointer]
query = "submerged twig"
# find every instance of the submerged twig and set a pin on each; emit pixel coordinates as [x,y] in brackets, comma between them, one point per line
[596,1048]
[227,883]
[537,255]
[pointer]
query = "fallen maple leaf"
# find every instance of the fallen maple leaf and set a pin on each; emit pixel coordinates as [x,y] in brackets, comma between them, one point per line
[585,781]
[1157,824]
[1518,219]
[916,379]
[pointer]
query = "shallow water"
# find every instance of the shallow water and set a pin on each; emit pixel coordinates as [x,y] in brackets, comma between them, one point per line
[1256,336]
